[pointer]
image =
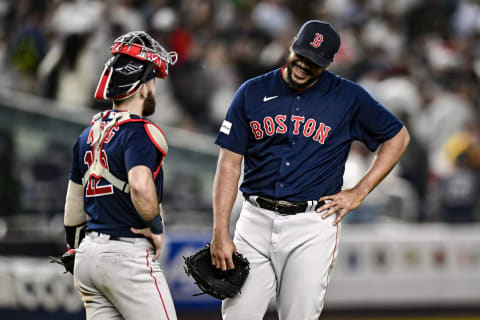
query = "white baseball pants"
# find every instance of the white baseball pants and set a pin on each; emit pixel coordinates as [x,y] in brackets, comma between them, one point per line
[291,259]
[119,280]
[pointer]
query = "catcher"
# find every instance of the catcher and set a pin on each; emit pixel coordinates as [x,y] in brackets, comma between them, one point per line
[116,181]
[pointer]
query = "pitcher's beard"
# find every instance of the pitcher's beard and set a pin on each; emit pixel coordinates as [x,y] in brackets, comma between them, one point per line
[296,85]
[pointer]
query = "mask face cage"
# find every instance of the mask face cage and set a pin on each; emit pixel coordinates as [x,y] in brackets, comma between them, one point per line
[140,45]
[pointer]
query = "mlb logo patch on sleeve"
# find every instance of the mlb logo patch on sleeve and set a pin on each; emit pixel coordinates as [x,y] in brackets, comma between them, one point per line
[226,126]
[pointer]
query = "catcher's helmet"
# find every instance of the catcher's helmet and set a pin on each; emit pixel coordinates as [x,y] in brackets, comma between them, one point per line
[137,58]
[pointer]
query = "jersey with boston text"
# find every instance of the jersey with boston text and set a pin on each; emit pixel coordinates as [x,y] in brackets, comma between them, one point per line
[109,209]
[295,144]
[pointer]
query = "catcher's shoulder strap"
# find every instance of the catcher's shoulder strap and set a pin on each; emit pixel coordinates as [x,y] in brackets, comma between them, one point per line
[157,137]
[101,131]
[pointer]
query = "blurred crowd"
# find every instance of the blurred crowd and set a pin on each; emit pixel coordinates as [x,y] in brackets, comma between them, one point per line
[420,58]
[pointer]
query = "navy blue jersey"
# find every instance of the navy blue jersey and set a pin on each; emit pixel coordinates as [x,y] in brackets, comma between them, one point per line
[295,144]
[110,210]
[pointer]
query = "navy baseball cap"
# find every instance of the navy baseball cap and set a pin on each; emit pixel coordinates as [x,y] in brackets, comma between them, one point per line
[317,41]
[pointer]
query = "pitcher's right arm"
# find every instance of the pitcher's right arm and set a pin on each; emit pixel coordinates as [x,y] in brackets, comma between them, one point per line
[225,188]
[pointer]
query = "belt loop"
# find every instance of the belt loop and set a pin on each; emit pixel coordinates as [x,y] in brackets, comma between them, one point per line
[253,200]
[312,205]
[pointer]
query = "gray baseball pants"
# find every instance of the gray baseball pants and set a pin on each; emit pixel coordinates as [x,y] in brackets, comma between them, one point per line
[117,279]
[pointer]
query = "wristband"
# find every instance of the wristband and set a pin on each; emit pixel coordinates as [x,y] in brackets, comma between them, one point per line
[75,234]
[155,225]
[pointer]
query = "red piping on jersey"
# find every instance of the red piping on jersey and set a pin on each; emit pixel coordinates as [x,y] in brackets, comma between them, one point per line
[156,285]
[282,68]
[329,270]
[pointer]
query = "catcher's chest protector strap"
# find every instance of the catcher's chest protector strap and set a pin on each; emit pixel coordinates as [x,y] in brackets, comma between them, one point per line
[101,131]
[157,137]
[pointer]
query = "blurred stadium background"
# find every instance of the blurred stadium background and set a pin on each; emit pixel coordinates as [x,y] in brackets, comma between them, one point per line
[411,251]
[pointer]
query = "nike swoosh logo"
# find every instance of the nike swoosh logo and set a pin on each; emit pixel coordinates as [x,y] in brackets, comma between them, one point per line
[265,99]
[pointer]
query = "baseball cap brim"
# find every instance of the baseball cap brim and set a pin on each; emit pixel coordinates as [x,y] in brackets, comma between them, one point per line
[316,59]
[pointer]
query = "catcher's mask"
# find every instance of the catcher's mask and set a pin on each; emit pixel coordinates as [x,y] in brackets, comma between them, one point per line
[137,58]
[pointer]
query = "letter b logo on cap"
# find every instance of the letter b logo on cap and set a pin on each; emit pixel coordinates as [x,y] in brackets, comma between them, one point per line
[317,41]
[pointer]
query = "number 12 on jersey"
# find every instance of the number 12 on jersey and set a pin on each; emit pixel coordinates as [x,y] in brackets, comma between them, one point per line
[94,189]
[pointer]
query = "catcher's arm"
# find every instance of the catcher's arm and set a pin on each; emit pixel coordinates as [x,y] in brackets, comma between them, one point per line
[74,211]
[75,222]
[225,187]
[144,197]
[75,217]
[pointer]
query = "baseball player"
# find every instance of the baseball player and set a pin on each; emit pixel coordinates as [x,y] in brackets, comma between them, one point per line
[115,189]
[293,128]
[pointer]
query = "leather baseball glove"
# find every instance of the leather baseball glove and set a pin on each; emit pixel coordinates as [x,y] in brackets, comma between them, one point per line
[215,282]
[67,260]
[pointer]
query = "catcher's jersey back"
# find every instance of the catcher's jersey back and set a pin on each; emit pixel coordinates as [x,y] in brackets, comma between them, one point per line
[296,143]
[110,210]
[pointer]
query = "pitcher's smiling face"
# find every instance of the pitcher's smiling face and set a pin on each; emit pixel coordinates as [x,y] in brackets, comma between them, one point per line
[301,72]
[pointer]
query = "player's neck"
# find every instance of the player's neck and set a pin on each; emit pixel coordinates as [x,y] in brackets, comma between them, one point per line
[134,107]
